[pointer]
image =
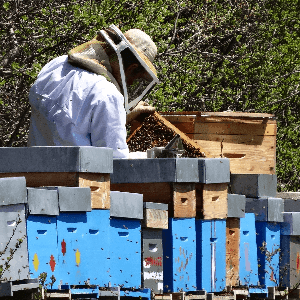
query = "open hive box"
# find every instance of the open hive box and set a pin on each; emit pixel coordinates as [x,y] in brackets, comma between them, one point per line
[247,139]
[155,131]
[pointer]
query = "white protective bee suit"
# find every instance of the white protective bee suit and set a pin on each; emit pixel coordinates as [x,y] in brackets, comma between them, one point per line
[76,101]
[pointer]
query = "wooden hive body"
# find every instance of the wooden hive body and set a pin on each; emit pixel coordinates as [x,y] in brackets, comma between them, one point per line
[247,139]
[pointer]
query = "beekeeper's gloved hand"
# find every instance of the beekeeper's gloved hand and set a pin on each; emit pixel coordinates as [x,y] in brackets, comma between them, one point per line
[141,108]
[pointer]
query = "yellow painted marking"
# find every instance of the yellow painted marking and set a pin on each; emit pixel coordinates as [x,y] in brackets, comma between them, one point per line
[77,257]
[36,262]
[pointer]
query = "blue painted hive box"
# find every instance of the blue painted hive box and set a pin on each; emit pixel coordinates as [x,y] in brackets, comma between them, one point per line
[211,255]
[179,248]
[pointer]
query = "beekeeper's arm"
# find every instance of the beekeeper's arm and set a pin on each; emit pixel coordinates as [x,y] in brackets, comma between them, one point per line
[108,121]
[142,107]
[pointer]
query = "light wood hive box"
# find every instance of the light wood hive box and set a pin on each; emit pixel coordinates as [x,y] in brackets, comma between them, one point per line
[211,201]
[247,139]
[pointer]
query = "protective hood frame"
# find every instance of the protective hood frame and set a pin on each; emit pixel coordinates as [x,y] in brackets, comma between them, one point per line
[118,48]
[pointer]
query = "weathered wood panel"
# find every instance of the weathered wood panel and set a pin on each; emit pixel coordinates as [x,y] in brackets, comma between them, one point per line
[211,201]
[232,251]
[100,188]
[184,199]
[248,154]
[155,218]
[247,139]
[239,128]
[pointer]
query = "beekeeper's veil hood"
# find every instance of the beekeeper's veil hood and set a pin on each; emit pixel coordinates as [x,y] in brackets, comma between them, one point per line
[93,57]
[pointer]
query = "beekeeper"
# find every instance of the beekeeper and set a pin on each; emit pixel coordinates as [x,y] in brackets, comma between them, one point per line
[85,98]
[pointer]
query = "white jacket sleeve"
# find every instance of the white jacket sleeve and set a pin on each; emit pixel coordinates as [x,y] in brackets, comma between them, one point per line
[108,120]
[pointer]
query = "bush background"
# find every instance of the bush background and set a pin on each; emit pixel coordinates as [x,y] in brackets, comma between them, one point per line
[213,56]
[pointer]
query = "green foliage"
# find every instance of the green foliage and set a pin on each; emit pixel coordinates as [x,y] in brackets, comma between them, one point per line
[212,56]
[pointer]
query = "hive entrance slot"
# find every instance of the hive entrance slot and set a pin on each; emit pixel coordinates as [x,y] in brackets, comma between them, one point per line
[94,188]
[123,233]
[153,247]
[184,200]
[233,155]
[11,223]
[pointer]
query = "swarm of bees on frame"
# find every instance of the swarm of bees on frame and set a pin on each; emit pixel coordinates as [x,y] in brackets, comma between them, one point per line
[154,133]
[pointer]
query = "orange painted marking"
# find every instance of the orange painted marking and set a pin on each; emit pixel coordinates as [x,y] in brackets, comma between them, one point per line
[63,247]
[52,263]
[36,262]
[298,263]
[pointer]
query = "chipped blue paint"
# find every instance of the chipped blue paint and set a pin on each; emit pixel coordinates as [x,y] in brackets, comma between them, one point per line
[179,247]
[268,245]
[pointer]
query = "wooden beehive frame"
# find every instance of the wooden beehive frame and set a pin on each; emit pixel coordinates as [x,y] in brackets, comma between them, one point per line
[187,142]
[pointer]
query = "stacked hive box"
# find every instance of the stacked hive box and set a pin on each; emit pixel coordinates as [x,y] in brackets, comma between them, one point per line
[57,216]
[56,221]
[211,255]
[13,229]
[154,222]
[192,188]
[14,265]
[248,273]
[290,243]
[260,192]
[180,255]
[249,141]
[72,234]
[211,227]
[125,241]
